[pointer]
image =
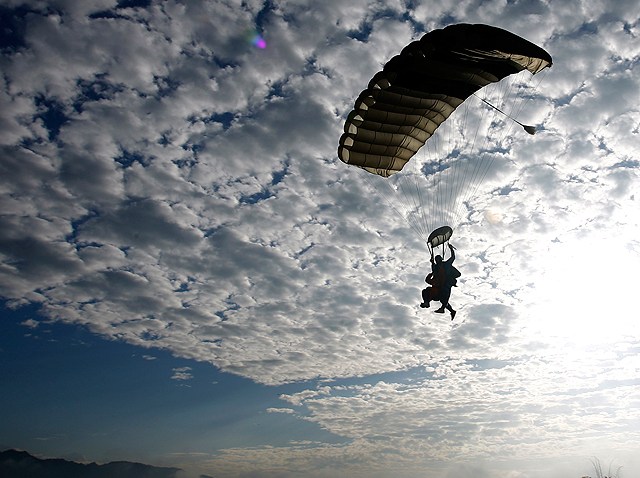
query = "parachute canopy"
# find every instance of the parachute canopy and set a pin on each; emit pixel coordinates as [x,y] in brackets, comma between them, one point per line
[439,236]
[419,89]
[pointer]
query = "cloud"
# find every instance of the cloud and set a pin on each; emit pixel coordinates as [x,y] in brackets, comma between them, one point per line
[168,185]
[182,374]
[32,324]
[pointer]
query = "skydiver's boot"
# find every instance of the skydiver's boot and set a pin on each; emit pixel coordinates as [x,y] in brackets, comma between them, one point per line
[453,312]
[425,305]
[450,309]
[440,310]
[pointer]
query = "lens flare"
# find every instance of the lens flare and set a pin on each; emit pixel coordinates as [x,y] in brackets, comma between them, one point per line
[259,42]
[254,38]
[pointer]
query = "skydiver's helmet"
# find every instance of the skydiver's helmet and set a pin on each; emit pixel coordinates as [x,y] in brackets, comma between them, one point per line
[438,259]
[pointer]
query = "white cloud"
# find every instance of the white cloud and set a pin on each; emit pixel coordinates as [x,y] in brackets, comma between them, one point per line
[31,323]
[169,185]
[182,374]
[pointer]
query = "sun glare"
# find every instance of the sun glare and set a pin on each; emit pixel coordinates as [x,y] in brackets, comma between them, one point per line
[585,295]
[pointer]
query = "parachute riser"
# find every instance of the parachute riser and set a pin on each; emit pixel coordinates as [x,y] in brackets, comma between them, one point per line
[444,250]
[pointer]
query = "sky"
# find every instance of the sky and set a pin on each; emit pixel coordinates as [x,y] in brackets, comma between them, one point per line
[191,277]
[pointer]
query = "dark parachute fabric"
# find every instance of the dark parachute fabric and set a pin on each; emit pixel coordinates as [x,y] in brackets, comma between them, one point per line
[419,89]
[439,236]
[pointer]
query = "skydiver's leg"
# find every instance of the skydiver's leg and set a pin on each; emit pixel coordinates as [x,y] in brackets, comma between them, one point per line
[444,299]
[426,297]
[450,309]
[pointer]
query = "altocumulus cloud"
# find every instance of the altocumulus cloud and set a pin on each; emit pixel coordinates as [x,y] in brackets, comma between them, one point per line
[167,184]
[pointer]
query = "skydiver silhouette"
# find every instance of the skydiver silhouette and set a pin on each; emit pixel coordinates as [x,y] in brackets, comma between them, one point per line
[442,278]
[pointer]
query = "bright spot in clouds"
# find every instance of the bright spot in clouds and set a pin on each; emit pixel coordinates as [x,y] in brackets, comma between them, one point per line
[586,292]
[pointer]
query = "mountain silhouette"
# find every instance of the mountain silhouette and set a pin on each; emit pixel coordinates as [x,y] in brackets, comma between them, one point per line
[20,464]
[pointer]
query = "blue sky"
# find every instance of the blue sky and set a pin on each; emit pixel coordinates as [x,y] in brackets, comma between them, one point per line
[105,397]
[190,277]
